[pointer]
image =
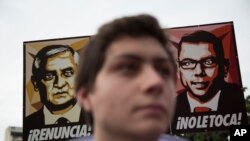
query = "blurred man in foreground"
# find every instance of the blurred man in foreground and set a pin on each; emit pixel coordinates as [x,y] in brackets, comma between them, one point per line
[126,81]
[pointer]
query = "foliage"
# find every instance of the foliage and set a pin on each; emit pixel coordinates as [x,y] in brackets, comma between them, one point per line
[248,108]
[208,136]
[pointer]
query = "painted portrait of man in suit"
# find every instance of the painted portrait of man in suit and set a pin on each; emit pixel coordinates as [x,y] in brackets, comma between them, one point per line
[50,105]
[202,71]
[202,68]
[53,73]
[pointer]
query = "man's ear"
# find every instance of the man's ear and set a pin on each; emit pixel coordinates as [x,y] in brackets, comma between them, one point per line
[34,82]
[226,67]
[83,99]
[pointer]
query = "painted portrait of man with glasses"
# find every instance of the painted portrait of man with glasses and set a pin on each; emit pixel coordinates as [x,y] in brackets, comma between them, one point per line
[202,69]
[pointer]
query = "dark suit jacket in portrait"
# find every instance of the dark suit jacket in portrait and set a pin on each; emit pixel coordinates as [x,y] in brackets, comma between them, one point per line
[231,100]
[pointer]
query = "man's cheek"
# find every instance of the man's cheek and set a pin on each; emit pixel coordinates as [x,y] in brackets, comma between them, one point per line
[71,92]
[183,79]
[49,97]
[71,82]
[213,72]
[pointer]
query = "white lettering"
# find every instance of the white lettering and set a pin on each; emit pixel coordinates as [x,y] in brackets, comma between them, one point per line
[225,121]
[72,131]
[35,135]
[42,134]
[178,123]
[218,120]
[237,132]
[83,131]
[50,133]
[192,122]
[65,132]
[243,131]
[204,122]
[211,120]
[233,120]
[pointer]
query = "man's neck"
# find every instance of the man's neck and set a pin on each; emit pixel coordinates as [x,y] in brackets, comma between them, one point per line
[105,135]
[63,110]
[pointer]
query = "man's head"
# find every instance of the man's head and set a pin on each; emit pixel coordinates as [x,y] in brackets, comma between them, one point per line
[54,69]
[126,77]
[202,65]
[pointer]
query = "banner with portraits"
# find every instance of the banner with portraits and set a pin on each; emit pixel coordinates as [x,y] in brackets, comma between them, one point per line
[209,86]
[50,108]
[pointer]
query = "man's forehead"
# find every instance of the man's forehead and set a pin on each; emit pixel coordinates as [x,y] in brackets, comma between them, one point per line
[141,47]
[202,49]
[195,44]
[60,61]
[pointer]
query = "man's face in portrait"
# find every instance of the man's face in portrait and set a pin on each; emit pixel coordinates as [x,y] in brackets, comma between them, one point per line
[58,78]
[135,88]
[198,67]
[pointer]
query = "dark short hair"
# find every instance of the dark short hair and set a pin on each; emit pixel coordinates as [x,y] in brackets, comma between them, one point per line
[41,58]
[205,36]
[93,56]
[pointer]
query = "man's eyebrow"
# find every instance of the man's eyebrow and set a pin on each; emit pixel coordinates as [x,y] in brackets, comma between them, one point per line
[139,58]
[187,59]
[130,57]
[207,57]
[68,68]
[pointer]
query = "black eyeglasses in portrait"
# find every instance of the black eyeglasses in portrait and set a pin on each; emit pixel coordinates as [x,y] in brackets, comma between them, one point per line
[208,62]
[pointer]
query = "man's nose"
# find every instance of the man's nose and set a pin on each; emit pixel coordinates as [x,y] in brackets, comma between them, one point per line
[59,82]
[199,70]
[152,81]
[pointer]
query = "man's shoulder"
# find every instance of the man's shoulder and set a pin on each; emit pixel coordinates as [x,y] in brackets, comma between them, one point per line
[35,116]
[231,90]
[231,93]
[87,138]
[166,137]
[231,87]
[182,94]
[35,120]
[182,97]
[182,102]
[163,137]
